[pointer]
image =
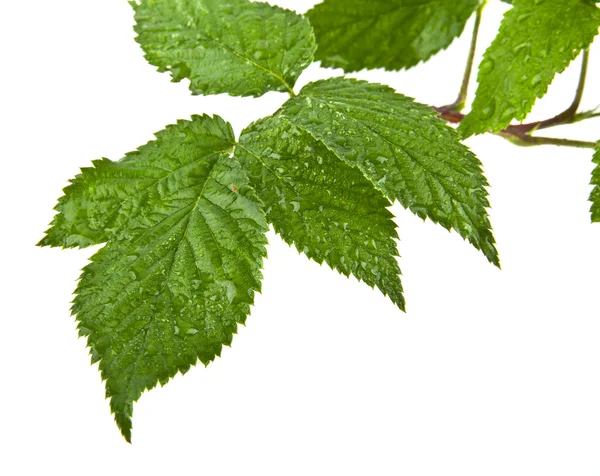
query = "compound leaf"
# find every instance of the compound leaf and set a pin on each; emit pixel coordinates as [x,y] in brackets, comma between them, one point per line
[403,148]
[182,263]
[537,39]
[595,196]
[323,206]
[391,34]
[237,47]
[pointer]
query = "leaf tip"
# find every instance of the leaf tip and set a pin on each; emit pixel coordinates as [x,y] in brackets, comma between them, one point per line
[464,129]
[492,255]
[124,424]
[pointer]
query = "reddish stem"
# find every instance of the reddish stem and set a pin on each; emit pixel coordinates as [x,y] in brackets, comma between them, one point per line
[521,133]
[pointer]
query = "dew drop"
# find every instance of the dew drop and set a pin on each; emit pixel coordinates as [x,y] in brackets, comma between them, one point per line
[151,351]
[487,66]
[489,110]
[537,79]
[509,113]
[523,46]
[523,17]
[230,290]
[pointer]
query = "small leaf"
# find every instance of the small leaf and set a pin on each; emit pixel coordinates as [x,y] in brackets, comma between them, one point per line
[403,148]
[182,262]
[537,39]
[595,196]
[237,47]
[390,34]
[326,208]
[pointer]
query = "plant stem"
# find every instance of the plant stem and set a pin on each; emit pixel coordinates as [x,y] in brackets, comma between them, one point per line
[459,104]
[527,140]
[520,134]
[569,114]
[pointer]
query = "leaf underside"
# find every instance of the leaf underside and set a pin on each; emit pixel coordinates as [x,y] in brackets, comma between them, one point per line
[390,34]
[595,196]
[186,240]
[402,148]
[323,206]
[237,47]
[536,41]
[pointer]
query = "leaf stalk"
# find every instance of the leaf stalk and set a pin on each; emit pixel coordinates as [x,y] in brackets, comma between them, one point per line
[459,104]
[521,134]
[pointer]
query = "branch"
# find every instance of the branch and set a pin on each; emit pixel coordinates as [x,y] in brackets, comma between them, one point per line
[520,134]
[567,116]
[527,140]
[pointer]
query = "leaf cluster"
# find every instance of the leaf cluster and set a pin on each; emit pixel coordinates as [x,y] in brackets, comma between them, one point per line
[183,218]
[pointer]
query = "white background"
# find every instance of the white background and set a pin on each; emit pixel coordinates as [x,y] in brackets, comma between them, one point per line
[488,373]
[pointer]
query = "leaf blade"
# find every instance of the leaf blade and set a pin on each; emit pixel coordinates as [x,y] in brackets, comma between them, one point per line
[397,34]
[324,207]
[241,48]
[518,67]
[180,269]
[595,195]
[89,211]
[403,148]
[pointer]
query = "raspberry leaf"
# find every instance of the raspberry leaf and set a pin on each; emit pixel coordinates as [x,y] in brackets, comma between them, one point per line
[237,47]
[186,240]
[390,34]
[537,40]
[323,206]
[403,148]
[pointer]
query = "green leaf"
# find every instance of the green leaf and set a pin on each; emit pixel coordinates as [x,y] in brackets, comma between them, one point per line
[237,47]
[182,263]
[403,148]
[390,34]
[326,208]
[537,39]
[595,196]
[99,202]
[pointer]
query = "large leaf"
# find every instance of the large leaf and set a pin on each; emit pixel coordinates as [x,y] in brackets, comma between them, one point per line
[186,239]
[237,47]
[391,34]
[100,201]
[537,39]
[317,202]
[403,148]
[595,196]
